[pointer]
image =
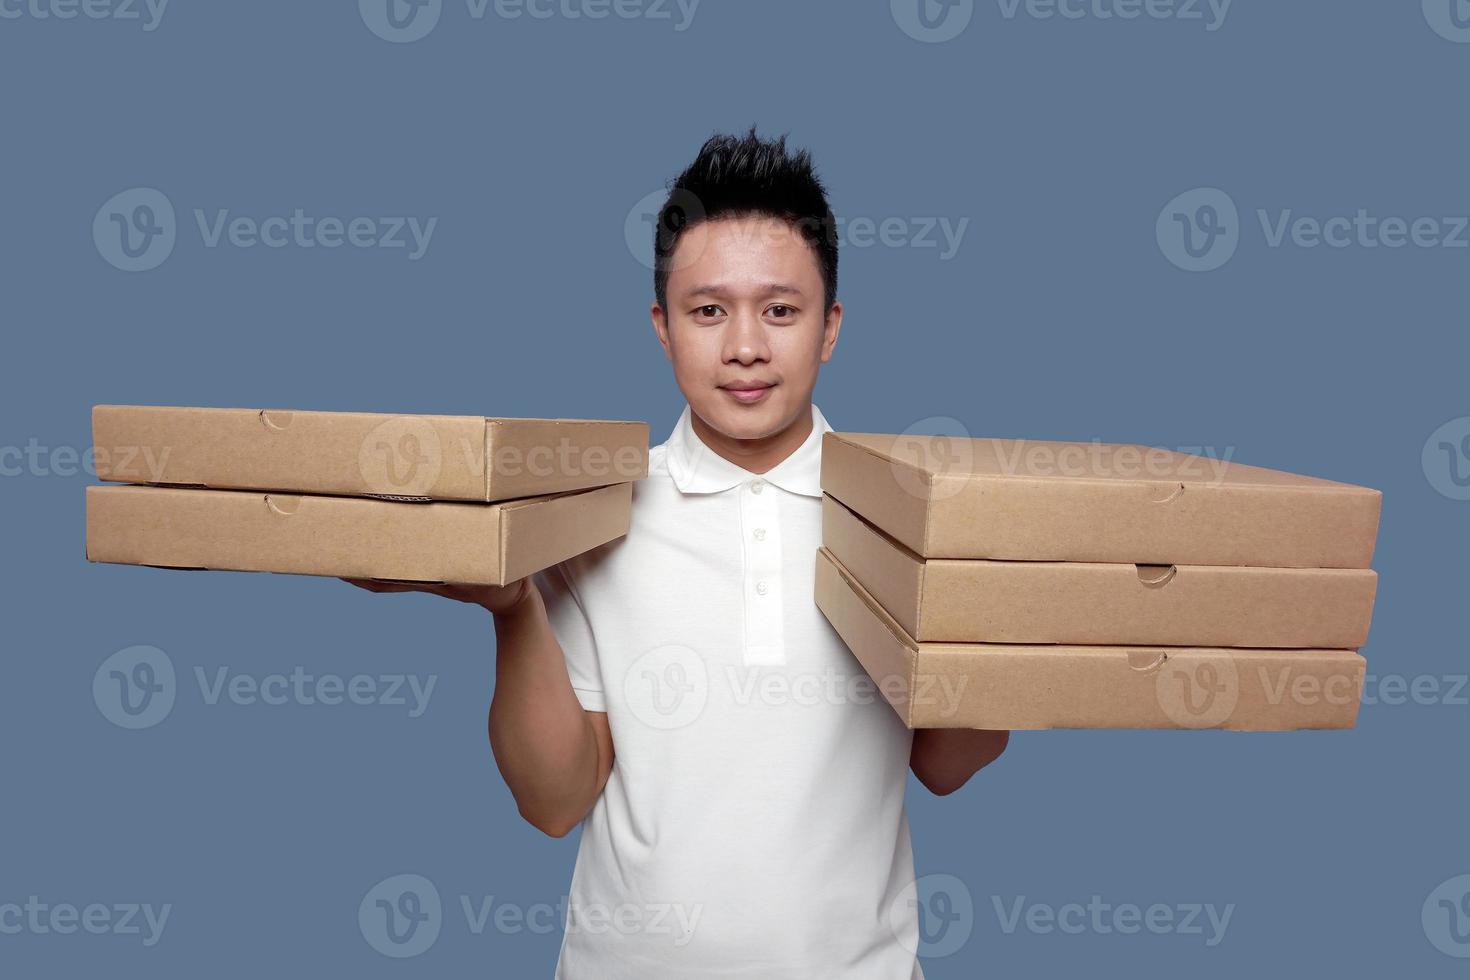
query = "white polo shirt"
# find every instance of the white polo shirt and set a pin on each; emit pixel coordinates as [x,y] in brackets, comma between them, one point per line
[753,825]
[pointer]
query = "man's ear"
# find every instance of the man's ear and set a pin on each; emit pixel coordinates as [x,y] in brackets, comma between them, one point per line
[830,329]
[661,329]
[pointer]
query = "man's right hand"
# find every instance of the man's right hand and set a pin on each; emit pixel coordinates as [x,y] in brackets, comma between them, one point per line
[498,599]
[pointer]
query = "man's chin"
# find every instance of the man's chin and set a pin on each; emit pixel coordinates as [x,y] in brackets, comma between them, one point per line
[733,420]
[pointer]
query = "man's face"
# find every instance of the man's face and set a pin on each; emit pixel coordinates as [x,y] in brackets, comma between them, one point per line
[745,311]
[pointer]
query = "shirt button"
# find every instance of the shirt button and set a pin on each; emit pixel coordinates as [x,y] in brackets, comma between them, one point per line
[760,587]
[757,486]
[760,534]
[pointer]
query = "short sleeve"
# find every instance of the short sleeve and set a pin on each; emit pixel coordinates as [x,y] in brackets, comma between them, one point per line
[574,632]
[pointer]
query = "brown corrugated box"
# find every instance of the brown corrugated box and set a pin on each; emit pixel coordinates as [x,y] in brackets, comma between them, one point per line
[1007,499]
[351,537]
[439,457]
[1022,687]
[982,600]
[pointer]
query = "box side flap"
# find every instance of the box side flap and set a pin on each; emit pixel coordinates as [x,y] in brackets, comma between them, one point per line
[988,457]
[886,655]
[890,572]
[890,494]
[1031,687]
[352,537]
[353,453]
[529,457]
[1062,519]
[538,533]
[974,600]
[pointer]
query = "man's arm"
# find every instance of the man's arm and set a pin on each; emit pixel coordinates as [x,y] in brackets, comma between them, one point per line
[554,756]
[944,759]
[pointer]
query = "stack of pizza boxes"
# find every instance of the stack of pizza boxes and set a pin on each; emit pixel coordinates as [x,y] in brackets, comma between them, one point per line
[408,498]
[1014,584]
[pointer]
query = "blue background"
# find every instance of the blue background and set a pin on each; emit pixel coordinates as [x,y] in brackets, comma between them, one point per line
[530,140]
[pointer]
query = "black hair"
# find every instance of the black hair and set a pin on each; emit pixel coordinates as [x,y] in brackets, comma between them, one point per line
[739,176]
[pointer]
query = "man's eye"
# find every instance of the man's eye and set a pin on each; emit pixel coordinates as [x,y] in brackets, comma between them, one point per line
[710,311]
[781,312]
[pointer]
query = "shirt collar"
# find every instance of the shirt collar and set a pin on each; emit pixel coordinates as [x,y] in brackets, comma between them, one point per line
[695,468]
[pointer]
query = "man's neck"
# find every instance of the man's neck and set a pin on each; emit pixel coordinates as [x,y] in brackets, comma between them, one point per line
[756,455]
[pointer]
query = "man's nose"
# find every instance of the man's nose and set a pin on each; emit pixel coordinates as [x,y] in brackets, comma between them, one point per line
[745,339]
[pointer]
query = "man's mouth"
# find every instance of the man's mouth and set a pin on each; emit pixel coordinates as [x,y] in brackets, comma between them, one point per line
[747,392]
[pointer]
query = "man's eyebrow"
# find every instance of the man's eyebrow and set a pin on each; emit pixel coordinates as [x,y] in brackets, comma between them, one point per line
[714,289]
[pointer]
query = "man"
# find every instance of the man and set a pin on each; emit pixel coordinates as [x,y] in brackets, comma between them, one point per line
[677,692]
